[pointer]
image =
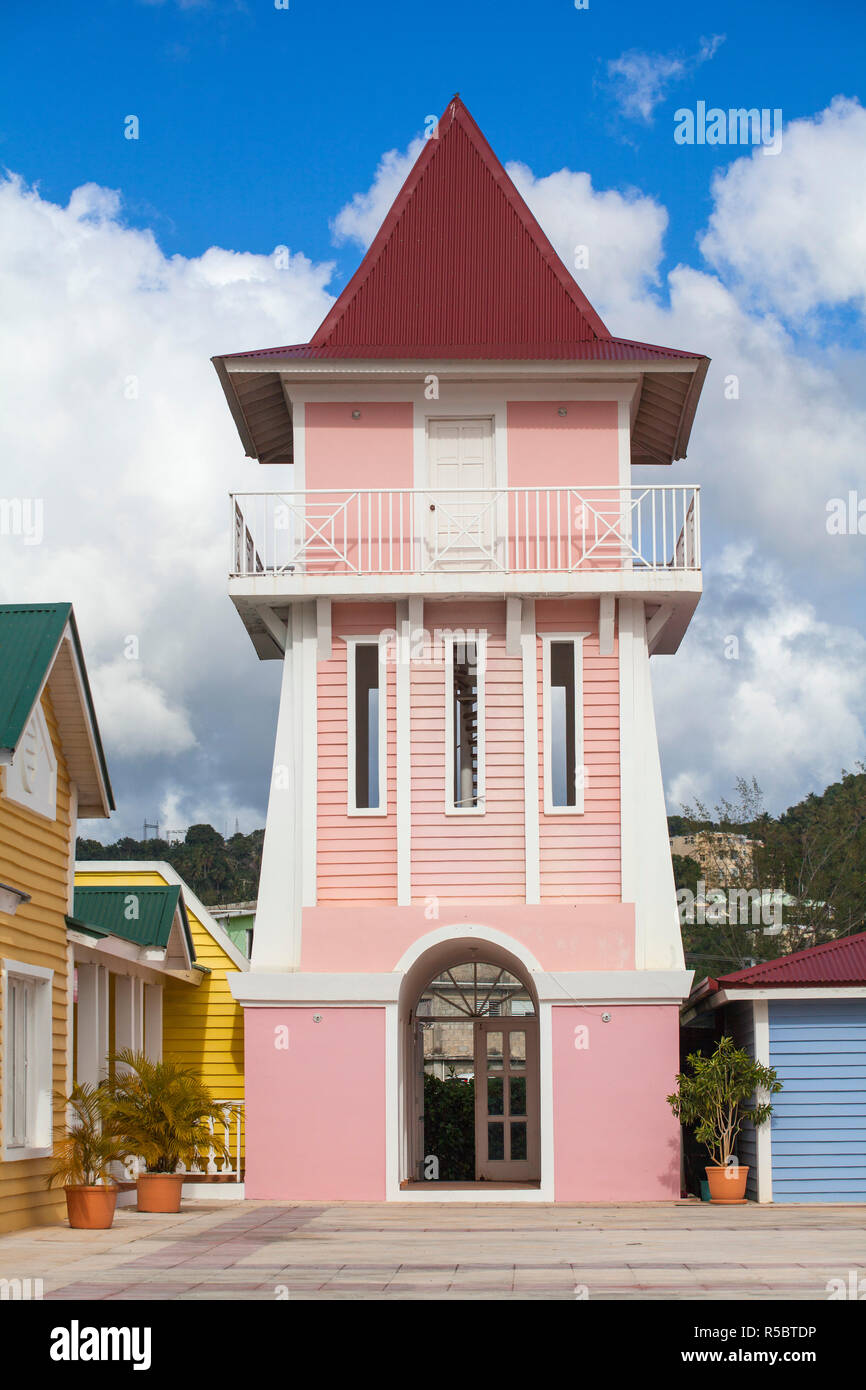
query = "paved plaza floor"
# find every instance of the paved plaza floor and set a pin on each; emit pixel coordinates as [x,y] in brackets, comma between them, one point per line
[265,1251]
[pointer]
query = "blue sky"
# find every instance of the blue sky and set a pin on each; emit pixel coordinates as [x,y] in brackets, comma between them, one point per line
[257,124]
[137,260]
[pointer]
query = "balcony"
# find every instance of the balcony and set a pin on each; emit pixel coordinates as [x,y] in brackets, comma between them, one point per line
[364,541]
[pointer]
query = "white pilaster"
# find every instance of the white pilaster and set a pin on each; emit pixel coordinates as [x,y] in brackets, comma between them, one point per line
[606,610]
[403,656]
[308,808]
[277,939]
[513,613]
[647,872]
[763,1134]
[323,626]
[530,752]
[92,1059]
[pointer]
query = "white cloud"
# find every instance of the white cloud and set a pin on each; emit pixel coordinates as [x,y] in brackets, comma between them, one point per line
[791,230]
[622,233]
[220,808]
[639,81]
[135,717]
[116,420]
[360,219]
[762,686]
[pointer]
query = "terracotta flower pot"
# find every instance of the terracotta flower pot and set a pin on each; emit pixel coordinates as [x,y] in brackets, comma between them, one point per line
[159,1191]
[91,1208]
[728,1184]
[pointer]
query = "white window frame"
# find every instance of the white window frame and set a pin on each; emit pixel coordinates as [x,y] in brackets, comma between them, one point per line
[380,640]
[40,1062]
[577,639]
[450,639]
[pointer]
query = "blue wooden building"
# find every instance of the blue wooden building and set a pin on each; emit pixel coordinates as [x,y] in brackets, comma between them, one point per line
[805,1015]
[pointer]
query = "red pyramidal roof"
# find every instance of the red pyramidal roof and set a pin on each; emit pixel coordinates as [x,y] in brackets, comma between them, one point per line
[460,260]
[460,269]
[841,962]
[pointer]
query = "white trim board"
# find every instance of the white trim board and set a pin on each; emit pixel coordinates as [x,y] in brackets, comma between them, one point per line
[403,700]
[308,989]
[763,1136]
[531,822]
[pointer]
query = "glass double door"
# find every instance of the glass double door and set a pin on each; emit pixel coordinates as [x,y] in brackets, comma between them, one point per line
[506,1100]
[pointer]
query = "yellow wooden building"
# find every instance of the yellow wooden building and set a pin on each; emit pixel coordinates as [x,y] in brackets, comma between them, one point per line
[203,1026]
[52,770]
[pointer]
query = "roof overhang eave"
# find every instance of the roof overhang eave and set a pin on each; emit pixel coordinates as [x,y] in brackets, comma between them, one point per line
[235,407]
[690,405]
[353,368]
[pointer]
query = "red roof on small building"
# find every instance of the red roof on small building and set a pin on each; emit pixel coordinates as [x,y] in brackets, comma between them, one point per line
[841,962]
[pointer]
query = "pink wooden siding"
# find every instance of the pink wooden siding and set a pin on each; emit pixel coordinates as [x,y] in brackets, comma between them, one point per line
[580,854]
[614,1087]
[373,451]
[468,858]
[345,530]
[356,855]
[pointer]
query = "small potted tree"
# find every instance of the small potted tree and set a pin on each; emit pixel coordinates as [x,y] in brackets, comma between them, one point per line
[83,1159]
[167,1117]
[714,1100]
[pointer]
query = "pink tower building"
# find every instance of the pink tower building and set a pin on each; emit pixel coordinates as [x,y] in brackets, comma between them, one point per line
[466,869]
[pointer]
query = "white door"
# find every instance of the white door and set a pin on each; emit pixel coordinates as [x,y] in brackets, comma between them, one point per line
[461,501]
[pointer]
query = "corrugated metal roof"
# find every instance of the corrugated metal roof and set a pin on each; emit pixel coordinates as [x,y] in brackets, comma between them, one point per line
[107,908]
[29,637]
[841,962]
[460,259]
[460,270]
[594,350]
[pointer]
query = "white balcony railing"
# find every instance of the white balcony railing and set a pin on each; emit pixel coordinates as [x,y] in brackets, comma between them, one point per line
[366,531]
[209,1166]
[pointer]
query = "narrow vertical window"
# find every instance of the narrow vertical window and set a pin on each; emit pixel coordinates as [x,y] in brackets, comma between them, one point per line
[464,725]
[563,724]
[20,1044]
[366,709]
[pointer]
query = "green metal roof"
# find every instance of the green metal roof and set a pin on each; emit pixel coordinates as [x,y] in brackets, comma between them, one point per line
[142,915]
[85,928]
[29,637]
[30,634]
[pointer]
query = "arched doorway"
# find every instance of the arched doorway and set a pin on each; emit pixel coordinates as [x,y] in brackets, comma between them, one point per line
[473,1069]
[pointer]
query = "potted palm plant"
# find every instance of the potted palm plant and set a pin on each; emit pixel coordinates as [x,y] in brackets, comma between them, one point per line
[83,1159]
[716,1099]
[167,1117]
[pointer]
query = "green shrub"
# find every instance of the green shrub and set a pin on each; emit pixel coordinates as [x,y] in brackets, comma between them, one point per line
[713,1099]
[449,1126]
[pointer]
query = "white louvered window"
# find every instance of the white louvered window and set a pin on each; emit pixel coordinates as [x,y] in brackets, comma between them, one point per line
[26,1060]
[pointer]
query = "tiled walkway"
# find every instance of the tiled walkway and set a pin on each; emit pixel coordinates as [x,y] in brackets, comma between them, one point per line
[259,1250]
